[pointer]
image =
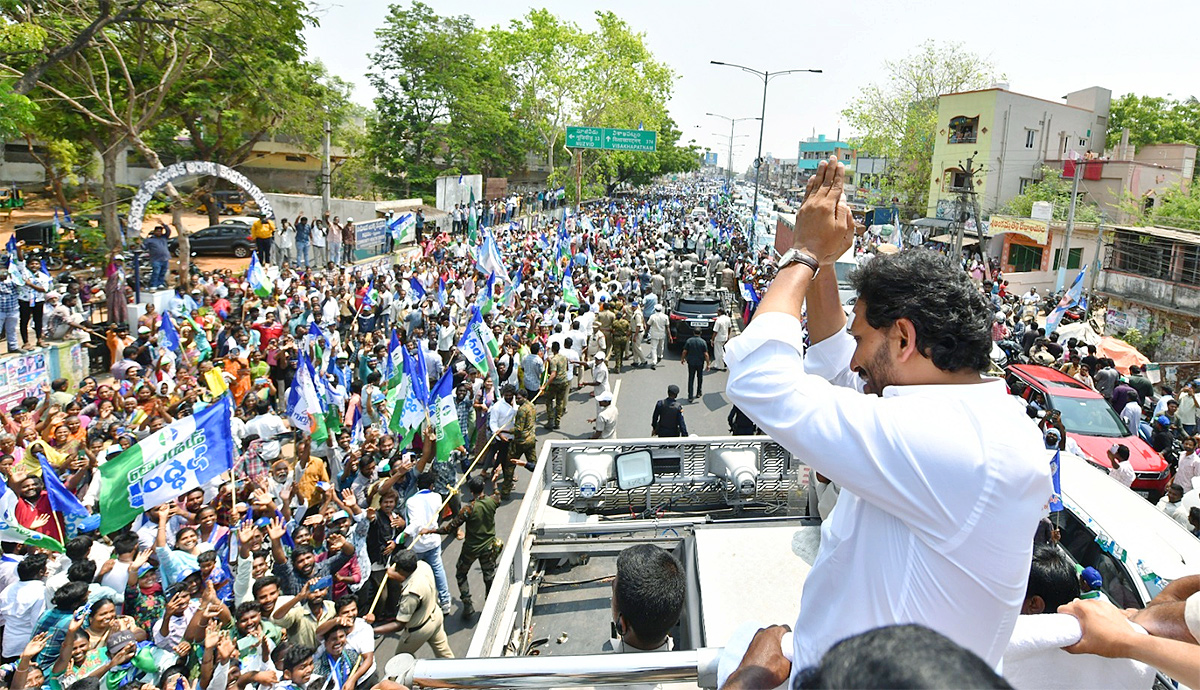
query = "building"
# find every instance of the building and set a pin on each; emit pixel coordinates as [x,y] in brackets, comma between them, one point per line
[1009,136]
[1114,182]
[1151,277]
[816,149]
[274,165]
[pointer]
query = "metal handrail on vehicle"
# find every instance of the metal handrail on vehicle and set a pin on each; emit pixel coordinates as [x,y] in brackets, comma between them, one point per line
[694,665]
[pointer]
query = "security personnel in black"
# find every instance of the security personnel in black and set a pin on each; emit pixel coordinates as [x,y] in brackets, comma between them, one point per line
[668,415]
[740,424]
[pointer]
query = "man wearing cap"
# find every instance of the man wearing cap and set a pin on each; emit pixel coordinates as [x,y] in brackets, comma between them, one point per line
[263,232]
[599,380]
[656,328]
[605,422]
[1090,583]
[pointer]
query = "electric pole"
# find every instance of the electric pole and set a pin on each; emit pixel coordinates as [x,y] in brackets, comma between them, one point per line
[325,170]
[1060,278]
[967,198]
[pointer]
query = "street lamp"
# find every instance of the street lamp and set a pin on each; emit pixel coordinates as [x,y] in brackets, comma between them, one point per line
[732,121]
[766,78]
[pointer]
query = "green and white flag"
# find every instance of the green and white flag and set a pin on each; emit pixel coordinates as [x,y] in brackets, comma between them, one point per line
[172,461]
[472,220]
[568,289]
[13,531]
[445,416]
[259,282]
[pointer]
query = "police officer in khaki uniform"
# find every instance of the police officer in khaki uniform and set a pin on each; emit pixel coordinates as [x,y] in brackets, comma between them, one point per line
[420,615]
[557,382]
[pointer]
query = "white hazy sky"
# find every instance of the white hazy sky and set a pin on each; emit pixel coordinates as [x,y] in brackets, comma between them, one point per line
[1043,48]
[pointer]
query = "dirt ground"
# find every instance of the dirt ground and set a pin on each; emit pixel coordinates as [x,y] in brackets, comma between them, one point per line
[191,222]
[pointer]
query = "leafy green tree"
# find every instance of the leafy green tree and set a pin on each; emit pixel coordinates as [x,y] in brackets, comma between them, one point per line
[897,119]
[1155,120]
[1056,189]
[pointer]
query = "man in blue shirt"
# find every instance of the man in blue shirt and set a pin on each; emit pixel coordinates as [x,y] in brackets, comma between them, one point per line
[159,251]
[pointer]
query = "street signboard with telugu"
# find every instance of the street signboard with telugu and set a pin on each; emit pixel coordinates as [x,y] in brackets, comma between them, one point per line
[612,139]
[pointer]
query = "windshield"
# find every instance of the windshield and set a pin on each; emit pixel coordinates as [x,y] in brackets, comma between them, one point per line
[691,307]
[843,270]
[1090,417]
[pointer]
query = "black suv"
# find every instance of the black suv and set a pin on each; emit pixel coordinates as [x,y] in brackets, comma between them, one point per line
[692,314]
[226,238]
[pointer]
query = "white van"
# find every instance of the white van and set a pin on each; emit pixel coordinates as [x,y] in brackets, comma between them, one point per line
[1137,548]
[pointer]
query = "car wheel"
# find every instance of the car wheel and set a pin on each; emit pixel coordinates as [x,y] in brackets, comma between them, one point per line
[241,251]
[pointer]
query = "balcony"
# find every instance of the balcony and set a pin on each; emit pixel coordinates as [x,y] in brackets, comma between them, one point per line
[1157,267]
[962,138]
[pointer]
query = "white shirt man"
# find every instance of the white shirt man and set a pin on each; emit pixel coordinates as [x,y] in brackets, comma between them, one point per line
[721,328]
[1188,475]
[932,524]
[21,604]
[500,418]
[656,328]
[268,427]
[1121,470]
[1132,416]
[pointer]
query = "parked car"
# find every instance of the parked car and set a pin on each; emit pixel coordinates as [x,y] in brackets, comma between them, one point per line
[692,313]
[227,239]
[1090,421]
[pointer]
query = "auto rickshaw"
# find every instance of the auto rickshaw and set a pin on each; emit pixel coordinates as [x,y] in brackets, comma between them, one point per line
[10,199]
[229,202]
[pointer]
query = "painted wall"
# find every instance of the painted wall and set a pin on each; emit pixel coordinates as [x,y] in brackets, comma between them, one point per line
[947,155]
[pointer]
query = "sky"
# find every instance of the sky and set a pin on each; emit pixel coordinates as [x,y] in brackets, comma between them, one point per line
[1043,49]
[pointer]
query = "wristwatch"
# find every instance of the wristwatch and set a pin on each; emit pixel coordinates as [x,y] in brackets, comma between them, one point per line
[795,256]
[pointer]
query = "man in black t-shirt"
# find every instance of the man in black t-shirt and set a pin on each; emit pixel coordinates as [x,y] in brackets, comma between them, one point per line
[668,415]
[695,356]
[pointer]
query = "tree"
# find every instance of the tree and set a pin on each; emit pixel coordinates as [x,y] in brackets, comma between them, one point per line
[898,118]
[424,98]
[1154,120]
[1056,189]
[544,56]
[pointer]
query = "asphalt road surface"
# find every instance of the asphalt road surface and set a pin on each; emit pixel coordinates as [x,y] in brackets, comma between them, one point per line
[636,392]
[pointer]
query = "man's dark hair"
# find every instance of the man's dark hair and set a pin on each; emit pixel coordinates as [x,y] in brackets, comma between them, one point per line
[246,607]
[405,561]
[33,567]
[71,596]
[81,571]
[262,583]
[425,480]
[672,391]
[475,484]
[343,601]
[899,656]
[1134,370]
[650,590]
[77,548]
[951,318]
[58,385]
[1122,452]
[88,683]
[1052,577]
[126,542]
[300,550]
[206,556]
[295,655]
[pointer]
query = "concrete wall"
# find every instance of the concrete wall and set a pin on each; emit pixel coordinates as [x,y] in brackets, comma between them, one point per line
[1181,337]
[451,192]
[1155,294]
[291,206]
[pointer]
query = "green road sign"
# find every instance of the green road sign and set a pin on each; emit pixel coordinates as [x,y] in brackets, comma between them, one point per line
[612,139]
[584,137]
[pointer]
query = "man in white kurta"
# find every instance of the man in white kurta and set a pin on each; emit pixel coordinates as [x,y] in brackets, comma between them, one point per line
[943,479]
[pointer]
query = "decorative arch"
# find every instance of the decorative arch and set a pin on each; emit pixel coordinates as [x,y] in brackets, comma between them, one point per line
[137,208]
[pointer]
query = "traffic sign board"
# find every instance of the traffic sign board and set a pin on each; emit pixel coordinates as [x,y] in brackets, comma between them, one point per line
[584,137]
[612,139]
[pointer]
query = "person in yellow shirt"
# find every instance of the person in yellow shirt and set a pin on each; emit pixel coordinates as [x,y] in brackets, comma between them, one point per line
[263,232]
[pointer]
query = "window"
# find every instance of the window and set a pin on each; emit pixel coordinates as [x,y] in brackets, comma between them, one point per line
[1148,203]
[954,180]
[1074,258]
[1080,542]
[963,130]
[1030,135]
[1083,142]
[1023,258]
[1024,184]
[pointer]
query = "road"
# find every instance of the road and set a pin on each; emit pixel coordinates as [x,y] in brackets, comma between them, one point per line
[636,392]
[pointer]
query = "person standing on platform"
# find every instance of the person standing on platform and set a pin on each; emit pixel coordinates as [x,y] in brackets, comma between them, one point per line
[263,232]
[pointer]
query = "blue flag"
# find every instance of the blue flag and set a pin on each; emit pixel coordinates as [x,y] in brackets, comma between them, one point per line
[61,498]
[441,292]
[11,247]
[170,335]
[1056,497]
[417,287]
[1073,297]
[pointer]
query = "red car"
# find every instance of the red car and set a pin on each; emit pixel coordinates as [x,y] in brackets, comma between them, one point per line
[1090,421]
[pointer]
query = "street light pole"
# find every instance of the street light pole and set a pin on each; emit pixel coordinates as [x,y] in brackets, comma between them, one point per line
[729,162]
[766,78]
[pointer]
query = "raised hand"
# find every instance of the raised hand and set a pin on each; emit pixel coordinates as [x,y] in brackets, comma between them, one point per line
[35,646]
[276,529]
[142,558]
[824,226]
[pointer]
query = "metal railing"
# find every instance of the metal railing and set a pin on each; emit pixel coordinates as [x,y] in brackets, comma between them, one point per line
[1154,257]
